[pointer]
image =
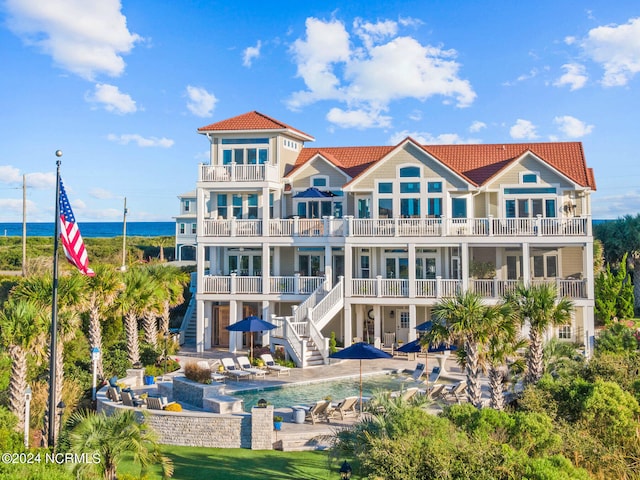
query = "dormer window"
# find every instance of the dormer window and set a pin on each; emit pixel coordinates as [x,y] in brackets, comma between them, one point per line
[529,178]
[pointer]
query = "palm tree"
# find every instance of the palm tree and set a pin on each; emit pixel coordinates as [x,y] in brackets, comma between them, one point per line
[103,288]
[134,301]
[172,281]
[538,305]
[22,328]
[468,320]
[154,309]
[113,437]
[71,291]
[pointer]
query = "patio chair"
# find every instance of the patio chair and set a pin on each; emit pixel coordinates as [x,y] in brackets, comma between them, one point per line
[318,412]
[456,391]
[273,366]
[434,376]
[231,369]
[154,403]
[418,371]
[129,400]
[436,392]
[406,395]
[113,394]
[245,365]
[215,376]
[345,408]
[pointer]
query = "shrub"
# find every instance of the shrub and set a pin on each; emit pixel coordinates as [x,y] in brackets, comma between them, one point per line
[173,407]
[277,418]
[195,372]
[153,370]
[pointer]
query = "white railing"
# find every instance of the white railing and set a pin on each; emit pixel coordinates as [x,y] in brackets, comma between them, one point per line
[394,287]
[450,288]
[324,306]
[301,311]
[238,173]
[287,330]
[397,227]
[364,287]
[216,284]
[248,284]
[426,288]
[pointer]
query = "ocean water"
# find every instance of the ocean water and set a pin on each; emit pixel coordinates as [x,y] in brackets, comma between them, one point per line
[94,229]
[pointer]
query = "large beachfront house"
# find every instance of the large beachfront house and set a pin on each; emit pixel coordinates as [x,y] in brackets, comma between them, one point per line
[364,241]
[186,227]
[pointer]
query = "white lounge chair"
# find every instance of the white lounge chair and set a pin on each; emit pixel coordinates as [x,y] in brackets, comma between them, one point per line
[231,368]
[273,366]
[345,408]
[457,391]
[245,365]
[318,412]
[215,376]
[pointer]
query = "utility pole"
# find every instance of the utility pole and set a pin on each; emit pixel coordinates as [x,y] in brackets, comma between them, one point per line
[24,225]
[124,237]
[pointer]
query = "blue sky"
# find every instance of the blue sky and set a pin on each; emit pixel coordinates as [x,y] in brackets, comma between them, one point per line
[122,86]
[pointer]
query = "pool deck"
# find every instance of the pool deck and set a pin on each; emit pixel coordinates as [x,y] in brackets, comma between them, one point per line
[306,436]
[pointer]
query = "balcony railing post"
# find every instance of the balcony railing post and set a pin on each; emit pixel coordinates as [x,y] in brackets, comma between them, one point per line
[378,285]
[490,225]
[296,283]
[233,227]
[232,287]
[396,229]
[349,223]
[296,226]
[438,286]
[538,225]
[232,169]
[445,226]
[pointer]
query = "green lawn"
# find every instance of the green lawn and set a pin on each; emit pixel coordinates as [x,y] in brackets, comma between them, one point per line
[192,463]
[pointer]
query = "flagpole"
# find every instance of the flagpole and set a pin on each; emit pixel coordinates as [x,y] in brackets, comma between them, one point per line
[54,314]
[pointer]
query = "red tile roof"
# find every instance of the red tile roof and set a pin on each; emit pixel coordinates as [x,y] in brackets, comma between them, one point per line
[478,163]
[250,121]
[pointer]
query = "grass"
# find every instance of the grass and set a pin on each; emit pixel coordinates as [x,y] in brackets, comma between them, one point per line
[196,463]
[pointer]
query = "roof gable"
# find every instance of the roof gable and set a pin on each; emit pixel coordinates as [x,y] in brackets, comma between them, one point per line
[252,121]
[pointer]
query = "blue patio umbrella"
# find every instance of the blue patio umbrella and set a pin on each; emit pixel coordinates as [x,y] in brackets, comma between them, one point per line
[313,192]
[360,351]
[251,324]
[425,327]
[415,347]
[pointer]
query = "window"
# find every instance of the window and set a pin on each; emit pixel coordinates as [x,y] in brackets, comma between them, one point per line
[365,270]
[459,207]
[385,208]
[237,205]
[404,319]
[434,187]
[222,206]
[406,172]
[529,190]
[193,228]
[385,187]
[319,182]
[530,207]
[363,208]
[182,229]
[247,152]
[410,187]
[252,201]
[545,266]
[434,207]
[564,332]
[410,207]
[187,205]
[529,178]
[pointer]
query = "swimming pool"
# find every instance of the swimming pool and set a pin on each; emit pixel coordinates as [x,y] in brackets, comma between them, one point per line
[289,395]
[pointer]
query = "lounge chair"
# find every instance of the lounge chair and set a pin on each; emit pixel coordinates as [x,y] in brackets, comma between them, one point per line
[113,394]
[406,395]
[215,376]
[273,366]
[434,376]
[345,408]
[158,403]
[245,365]
[231,369]
[129,400]
[435,392]
[418,371]
[318,412]
[456,391]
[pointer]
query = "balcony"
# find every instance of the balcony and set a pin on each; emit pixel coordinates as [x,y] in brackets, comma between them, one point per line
[238,173]
[445,288]
[239,284]
[399,227]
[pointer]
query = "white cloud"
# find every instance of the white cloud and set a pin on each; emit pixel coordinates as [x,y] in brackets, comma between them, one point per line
[201,103]
[372,69]
[572,127]
[569,40]
[112,99]
[617,49]
[523,130]
[139,140]
[357,118]
[101,193]
[425,138]
[250,53]
[38,180]
[85,37]
[574,76]
[11,209]
[477,126]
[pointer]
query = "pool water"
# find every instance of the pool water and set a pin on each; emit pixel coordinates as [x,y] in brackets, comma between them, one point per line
[287,396]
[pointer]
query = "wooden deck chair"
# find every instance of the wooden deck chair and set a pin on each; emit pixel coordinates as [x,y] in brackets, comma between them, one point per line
[231,369]
[113,394]
[129,400]
[417,373]
[318,412]
[245,365]
[154,403]
[436,392]
[345,408]
[457,391]
[273,366]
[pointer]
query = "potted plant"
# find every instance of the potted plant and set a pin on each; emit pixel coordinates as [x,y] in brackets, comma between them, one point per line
[150,372]
[277,422]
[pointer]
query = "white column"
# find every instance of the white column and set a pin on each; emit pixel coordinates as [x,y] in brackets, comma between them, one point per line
[377,326]
[266,269]
[411,248]
[412,321]
[199,324]
[266,316]
[464,264]
[587,267]
[208,324]
[526,267]
[360,316]
[233,318]
[328,266]
[348,270]
[346,323]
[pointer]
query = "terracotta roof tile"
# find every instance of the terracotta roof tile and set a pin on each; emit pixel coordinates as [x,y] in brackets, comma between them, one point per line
[250,121]
[478,162]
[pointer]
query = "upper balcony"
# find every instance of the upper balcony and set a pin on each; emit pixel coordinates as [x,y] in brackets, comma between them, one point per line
[239,173]
[399,227]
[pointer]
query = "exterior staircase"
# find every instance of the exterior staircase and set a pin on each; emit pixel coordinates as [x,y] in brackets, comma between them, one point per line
[188,327]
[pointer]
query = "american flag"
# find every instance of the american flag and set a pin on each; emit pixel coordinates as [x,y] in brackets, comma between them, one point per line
[70,236]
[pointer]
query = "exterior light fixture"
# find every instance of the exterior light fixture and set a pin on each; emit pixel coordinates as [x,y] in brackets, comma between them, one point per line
[345,471]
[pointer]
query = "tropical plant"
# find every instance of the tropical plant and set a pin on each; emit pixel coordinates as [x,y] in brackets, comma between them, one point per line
[111,438]
[22,329]
[614,293]
[172,281]
[468,320]
[538,305]
[103,289]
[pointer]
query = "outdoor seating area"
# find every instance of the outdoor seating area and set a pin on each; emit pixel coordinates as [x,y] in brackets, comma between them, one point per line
[271,365]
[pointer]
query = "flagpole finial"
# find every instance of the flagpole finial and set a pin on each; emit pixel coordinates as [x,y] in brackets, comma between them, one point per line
[58,153]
